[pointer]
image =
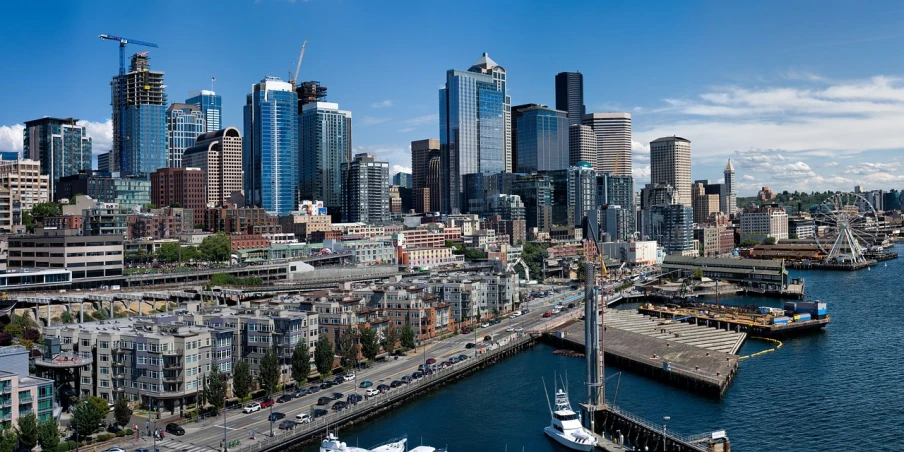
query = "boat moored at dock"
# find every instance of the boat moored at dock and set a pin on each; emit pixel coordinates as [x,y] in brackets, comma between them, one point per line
[333,444]
[565,427]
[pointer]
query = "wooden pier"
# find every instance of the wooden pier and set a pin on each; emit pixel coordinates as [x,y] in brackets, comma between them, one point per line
[732,318]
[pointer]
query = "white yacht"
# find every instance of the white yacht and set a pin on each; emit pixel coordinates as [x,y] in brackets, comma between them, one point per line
[332,444]
[565,426]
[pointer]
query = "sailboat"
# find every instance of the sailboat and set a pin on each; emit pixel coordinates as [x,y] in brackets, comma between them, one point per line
[565,426]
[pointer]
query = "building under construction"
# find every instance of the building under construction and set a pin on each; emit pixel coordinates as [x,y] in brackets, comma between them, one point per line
[144,149]
[310,92]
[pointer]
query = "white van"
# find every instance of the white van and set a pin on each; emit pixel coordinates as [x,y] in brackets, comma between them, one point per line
[302,418]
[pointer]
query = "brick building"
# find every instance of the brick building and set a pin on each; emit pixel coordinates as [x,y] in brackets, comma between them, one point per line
[183,186]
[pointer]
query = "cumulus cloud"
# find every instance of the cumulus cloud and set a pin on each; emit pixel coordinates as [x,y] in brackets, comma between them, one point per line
[422,120]
[11,137]
[372,121]
[641,175]
[399,169]
[382,104]
[101,134]
[398,155]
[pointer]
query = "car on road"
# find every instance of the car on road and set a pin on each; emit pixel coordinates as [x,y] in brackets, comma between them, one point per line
[339,380]
[338,395]
[519,329]
[326,385]
[510,329]
[453,360]
[417,375]
[431,361]
[320,412]
[324,401]
[406,379]
[462,357]
[300,393]
[395,384]
[143,449]
[286,425]
[339,405]
[371,392]
[354,398]
[313,389]
[516,314]
[114,449]
[285,398]
[465,331]
[303,419]
[251,407]
[547,314]
[487,338]
[485,325]
[470,345]
[445,365]
[348,377]
[383,388]
[175,429]
[275,416]
[268,402]
[495,322]
[366,384]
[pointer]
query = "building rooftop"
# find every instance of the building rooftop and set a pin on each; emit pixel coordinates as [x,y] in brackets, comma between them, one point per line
[671,138]
[723,262]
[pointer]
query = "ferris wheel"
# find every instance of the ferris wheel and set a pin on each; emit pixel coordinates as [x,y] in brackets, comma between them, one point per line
[848,227]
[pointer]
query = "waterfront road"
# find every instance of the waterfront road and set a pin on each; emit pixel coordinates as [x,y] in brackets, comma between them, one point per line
[208,434]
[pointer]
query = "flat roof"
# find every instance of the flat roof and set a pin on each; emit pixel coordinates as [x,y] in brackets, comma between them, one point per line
[721,262]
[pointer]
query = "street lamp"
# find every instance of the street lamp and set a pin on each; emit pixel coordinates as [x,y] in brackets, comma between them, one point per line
[664,420]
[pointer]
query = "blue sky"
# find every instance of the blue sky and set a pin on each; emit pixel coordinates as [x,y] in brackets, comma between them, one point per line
[801,95]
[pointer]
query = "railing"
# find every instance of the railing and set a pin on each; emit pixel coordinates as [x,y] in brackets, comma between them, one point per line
[649,425]
[8,401]
[25,400]
[175,365]
[172,352]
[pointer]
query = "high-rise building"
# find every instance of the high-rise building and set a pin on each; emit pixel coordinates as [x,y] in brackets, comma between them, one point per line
[421,153]
[570,95]
[211,106]
[671,225]
[582,144]
[542,138]
[655,194]
[62,147]
[104,162]
[219,155]
[325,139]
[732,197]
[474,127]
[144,124]
[270,156]
[670,163]
[184,122]
[535,191]
[402,179]
[581,193]
[760,222]
[434,182]
[182,186]
[22,186]
[130,193]
[704,204]
[613,131]
[365,190]
[618,191]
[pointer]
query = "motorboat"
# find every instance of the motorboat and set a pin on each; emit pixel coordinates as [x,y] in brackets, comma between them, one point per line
[565,427]
[333,444]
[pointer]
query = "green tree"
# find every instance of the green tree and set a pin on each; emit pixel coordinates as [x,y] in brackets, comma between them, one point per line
[323,356]
[698,274]
[88,414]
[121,412]
[408,336]
[45,209]
[793,236]
[749,242]
[48,435]
[391,338]
[8,440]
[100,314]
[190,253]
[270,370]
[241,379]
[148,206]
[175,205]
[27,431]
[67,317]
[216,388]
[215,248]
[169,252]
[348,347]
[769,241]
[301,361]
[370,346]
[474,254]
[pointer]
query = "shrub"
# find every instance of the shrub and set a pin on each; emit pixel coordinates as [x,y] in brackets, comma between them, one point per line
[128,431]
[104,437]
[62,447]
[120,433]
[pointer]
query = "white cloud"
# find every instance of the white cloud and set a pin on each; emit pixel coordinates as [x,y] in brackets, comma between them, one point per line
[422,120]
[830,164]
[406,129]
[399,169]
[382,104]
[372,121]
[641,175]
[101,134]
[11,137]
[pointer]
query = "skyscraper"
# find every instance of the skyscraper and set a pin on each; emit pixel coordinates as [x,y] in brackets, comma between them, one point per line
[434,182]
[211,106]
[365,190]
[421,151]
[535,191]
[270,156]
[219,155]
[474,127]
[144,122]
[730,188]
[61,146]
[582,144]
[325,139]
[184,122]
[402,179]
[570,95]
[613,131]
[542,138]
[615,190]
[670,163]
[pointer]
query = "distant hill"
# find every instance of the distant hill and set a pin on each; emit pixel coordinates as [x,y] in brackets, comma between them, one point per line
[794,201]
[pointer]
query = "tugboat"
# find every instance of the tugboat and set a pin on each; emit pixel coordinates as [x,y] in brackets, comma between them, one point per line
[332,444]
[565,426]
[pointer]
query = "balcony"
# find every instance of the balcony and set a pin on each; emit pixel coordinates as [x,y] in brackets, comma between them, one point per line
[172,380]
[6,402]
[23,400]
[173,365]
[118,363]
[172,352]
[63,361]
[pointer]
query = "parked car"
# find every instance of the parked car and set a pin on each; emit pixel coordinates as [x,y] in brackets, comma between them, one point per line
[338,380]
[144,449]
[268,402]
[320,412]
[417,375]
[251,407]
[275,416]
[462,357]
[395,384]
[485,325]
[303,419]
[383,388]
[114,449]
[300,393]
[453,360]
[175,429]
[366,384]
[465,331]
[510,329]
[470,345]
[324,401]
[313,389]
[371,392]
[348,377]
[285,398]
[519,329]
[326,385]
[286,425]
[445,365]
[340,405]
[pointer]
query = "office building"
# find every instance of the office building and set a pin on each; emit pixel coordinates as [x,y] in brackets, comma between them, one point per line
[801,227]
[421,153]
[535,191]
[86,255]
[582,144]
[618,191]
[475,127]
[434,183]
[184,122]
[61,146]
[211,106]
[324,134]
[139,138]
[104,162]
[581,193]
[402,180]
[760,222]
[570,96]
[22,186]
[179,187]
[704,204]
[270,156]
[670,163]
[671,225]
[613,132]
[731,188]
[128,193]
[365,190]
[616,221]
[219,156]
[541,136]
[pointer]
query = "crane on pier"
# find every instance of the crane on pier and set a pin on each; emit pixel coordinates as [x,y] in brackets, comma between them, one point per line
[298,66]
[122,86]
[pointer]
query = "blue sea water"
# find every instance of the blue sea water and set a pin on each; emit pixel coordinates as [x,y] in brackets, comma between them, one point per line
[840,389]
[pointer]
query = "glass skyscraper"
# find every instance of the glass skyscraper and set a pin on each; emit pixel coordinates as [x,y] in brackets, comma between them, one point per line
[474,127]
[324,133]
[211,106]
[270,157]
[61,145]
[144,125]
[542,139]
[184,123]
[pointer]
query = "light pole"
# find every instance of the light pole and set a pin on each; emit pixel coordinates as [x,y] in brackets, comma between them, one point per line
[664,420]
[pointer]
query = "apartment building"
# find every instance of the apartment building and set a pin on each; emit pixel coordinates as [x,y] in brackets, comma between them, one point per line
[86,256]
[20,393]
[428,257]
[21,187]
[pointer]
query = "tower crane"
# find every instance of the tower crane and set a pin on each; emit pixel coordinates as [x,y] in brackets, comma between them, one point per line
[298,66]
[121,82]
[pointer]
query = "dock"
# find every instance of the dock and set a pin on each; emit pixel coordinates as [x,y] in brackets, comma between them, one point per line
[733,319]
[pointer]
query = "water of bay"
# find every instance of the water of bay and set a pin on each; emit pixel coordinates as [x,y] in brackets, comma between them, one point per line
[840,389]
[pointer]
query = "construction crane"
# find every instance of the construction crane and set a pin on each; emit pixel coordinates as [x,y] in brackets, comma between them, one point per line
[122,86]
[298,66]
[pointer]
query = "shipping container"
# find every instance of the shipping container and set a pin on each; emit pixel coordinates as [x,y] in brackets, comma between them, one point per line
[802,318]
[780,321]
[790,306]
[820,312]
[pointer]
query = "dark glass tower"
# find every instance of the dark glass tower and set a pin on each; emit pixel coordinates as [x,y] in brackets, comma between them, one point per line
[570,95]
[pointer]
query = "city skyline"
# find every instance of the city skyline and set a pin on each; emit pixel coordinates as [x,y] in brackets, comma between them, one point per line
[780,106]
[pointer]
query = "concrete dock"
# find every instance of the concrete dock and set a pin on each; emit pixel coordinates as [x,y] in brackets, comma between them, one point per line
[685,333]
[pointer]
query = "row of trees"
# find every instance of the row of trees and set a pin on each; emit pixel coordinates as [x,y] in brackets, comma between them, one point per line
[215,248]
